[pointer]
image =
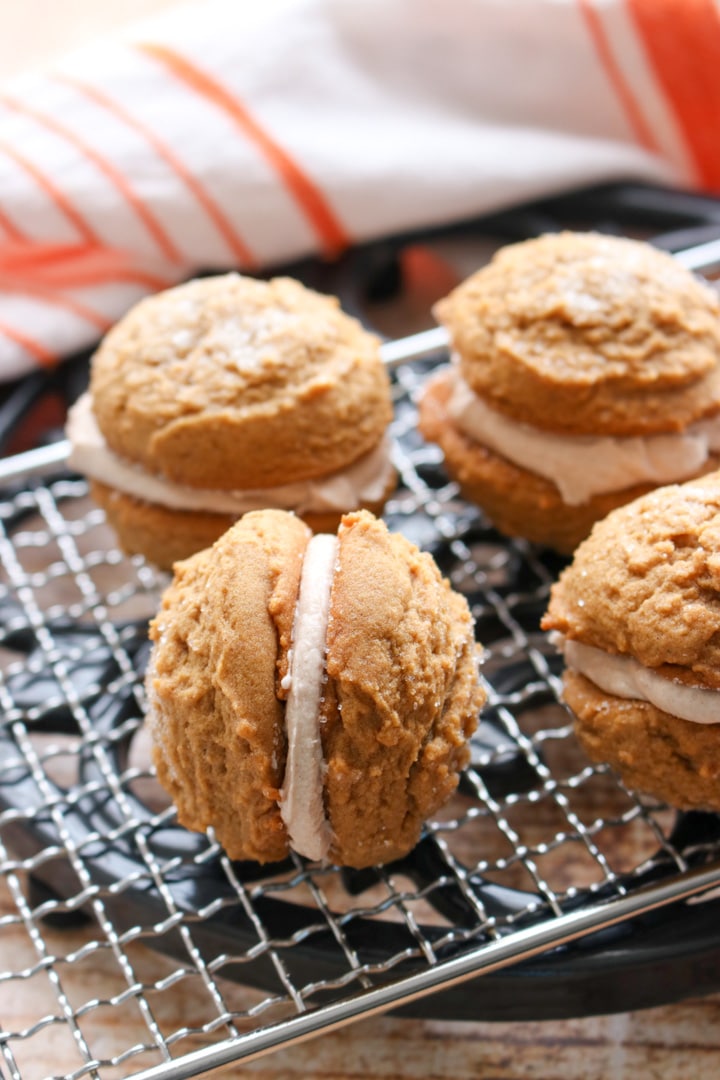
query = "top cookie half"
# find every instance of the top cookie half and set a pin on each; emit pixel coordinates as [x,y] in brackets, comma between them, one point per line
[585,333]
[646,583]
[233,383]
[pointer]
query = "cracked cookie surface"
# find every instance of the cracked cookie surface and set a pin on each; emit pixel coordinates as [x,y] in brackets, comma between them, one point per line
[585,333]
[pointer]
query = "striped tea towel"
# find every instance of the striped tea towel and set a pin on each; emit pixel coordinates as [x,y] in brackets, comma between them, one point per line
[220,136]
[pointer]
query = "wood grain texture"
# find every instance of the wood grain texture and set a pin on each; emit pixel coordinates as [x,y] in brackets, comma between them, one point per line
[673,1042]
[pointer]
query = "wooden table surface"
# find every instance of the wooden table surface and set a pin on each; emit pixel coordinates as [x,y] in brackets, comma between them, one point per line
[676,1042]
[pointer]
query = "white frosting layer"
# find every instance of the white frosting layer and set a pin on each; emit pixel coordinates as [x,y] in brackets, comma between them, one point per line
[582,466]
[365,481]
[624,677]
[301,796]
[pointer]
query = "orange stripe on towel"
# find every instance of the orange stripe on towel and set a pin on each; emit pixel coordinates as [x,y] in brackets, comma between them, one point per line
[630,105]
[41,354]
[74,265]
[235,244]
[682,42]
[11,229]
[53,192]
[9,284]
[306,193]
[119,181]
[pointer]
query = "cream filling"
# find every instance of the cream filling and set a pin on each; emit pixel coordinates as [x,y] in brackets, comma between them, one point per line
[624,677]
[365,481]
[301,796]
[582,466]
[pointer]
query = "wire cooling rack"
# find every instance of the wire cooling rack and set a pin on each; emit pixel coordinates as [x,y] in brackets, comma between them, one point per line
[544,889]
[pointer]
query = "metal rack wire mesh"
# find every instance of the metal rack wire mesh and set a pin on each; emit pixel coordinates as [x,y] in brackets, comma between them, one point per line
[110,910]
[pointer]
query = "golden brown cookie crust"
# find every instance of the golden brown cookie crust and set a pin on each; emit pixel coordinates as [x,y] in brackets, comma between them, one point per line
[164,536]
[221,640]
[585,333]
[646,583]
[160,535]
[674,760]
[402,695]
[518,502]
[232,383]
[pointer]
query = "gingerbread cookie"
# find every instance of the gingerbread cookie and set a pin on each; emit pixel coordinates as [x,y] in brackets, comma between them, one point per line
[636,615]
[313,693]
[228,394]
[586,372]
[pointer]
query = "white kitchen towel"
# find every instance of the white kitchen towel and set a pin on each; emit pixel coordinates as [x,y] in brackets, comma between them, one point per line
[211,138]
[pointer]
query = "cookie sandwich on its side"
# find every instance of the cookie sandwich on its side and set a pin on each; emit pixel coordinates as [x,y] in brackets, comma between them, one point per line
[637,617]
[586,371]
[229,394]
[311,693]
